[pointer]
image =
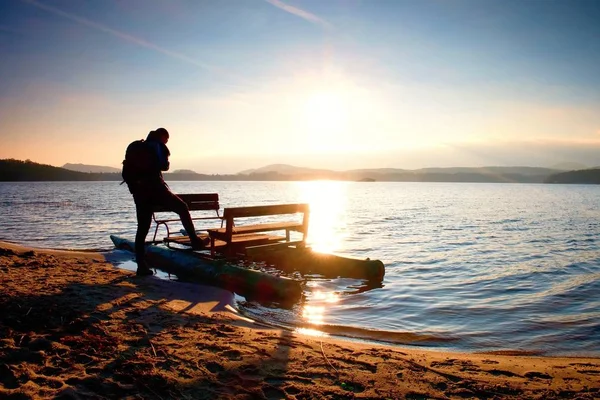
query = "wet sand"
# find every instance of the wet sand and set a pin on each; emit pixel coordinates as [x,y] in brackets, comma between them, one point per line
[75,327]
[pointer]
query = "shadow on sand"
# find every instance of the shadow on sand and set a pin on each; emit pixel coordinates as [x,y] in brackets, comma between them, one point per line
[136,337]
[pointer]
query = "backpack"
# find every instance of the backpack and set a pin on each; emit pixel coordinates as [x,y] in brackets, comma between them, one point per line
[139,162]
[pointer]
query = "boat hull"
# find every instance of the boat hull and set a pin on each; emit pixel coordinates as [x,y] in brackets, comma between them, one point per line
[307,261]
[189,266]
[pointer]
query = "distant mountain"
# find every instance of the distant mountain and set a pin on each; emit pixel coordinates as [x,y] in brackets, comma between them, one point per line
[279,168]
[527,171]
[584,176]
[12,170]
[283,169]
[15,170]
[377,171]
[453,174]
[290,169]
[90,168]
[569,166]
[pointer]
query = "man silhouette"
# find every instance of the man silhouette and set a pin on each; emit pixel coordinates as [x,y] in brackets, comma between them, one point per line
[149,189]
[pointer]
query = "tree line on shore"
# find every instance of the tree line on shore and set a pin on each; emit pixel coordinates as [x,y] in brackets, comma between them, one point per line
[15,170]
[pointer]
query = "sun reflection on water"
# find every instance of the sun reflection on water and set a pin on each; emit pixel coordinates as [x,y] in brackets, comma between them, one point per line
[327,225]
[310,332]
[327,297]
[314,313]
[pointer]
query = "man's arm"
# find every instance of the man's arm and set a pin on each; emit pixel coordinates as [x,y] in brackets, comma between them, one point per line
[163,157]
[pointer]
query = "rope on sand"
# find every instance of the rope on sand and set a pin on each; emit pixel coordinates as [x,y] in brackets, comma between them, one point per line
[328,362]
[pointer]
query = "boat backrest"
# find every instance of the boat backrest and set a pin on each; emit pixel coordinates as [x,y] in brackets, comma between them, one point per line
[195,202]
[261,211]
[230,214]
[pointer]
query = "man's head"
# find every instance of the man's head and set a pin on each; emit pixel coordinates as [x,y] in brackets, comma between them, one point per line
[161,135]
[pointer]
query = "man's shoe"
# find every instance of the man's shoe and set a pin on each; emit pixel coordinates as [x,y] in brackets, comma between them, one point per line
[144,271]
[200,244]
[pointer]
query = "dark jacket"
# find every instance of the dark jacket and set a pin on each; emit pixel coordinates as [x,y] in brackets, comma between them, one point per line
[162,154]
[150,178]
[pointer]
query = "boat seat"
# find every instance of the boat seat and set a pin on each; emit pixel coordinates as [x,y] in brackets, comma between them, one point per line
[237,244]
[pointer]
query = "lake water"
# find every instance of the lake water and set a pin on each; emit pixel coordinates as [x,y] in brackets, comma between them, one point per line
[469,267]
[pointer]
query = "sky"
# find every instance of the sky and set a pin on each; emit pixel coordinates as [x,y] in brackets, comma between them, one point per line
[339,84]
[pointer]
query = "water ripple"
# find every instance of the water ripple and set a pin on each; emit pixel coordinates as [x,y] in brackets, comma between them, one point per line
[479,267]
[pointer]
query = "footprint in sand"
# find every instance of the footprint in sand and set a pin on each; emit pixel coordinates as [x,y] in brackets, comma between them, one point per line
[53,383]
[272,392]
[211,348]
[498,372]
[233,355]
[535,374]
[214,367]
[589,372]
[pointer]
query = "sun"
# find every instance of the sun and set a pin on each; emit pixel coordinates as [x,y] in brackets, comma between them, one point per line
[326,117]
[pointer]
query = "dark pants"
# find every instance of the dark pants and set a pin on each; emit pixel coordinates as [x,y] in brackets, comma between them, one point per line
[146,198]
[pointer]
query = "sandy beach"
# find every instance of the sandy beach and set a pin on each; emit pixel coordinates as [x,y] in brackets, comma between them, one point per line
[75,327]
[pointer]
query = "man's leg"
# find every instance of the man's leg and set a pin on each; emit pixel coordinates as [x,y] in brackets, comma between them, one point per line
[144,219]
[174,203]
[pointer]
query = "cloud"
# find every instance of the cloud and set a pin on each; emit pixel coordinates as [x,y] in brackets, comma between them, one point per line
[131,39]
[301,13]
